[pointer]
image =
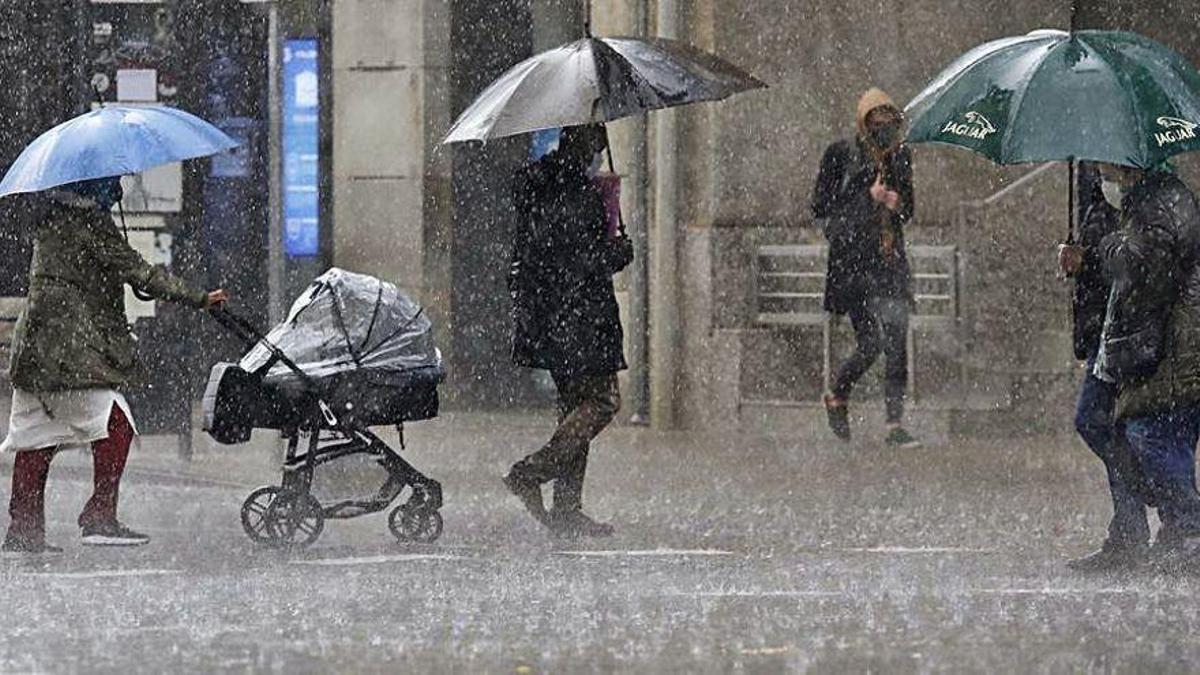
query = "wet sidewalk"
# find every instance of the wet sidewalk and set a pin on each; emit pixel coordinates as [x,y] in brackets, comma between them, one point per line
[733,553]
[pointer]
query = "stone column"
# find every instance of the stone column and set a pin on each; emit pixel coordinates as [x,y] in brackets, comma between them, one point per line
[379,133]
[486,38]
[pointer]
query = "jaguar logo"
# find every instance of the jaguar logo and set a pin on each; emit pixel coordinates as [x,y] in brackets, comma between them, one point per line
[1175,129]
[976,126]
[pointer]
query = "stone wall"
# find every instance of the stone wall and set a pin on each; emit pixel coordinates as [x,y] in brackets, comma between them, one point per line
[751,165]
[746,176]
[753,160]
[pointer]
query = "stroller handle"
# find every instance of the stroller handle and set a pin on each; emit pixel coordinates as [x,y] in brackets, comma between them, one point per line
[246,331]
[236,324]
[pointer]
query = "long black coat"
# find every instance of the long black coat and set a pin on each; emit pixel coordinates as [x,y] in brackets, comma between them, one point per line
[1090,300]
[853,225]
[565,314]
[1151,339]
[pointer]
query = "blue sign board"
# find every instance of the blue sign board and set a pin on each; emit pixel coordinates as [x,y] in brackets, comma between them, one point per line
[301,148]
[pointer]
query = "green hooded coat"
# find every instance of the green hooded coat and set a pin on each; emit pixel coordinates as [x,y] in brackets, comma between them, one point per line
[73,333]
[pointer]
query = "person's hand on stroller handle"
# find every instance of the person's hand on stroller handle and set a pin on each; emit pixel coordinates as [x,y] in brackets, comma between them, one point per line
[216,298]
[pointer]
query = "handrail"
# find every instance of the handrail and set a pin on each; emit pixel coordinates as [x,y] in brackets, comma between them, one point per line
[1021,182]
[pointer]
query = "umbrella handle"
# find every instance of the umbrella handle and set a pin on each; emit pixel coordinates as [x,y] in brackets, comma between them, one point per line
[1071,178]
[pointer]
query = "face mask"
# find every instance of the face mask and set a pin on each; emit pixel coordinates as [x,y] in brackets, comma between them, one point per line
[886,136]
[1114,194]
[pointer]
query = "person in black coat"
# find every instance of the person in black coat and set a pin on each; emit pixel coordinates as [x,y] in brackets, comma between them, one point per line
[1095,421]
[566,319]
[863,198]
[1150,346]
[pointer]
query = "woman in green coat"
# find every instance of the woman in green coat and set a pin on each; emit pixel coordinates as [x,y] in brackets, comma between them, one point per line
[72,353]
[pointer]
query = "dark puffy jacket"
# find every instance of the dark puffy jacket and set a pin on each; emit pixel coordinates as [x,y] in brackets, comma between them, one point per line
[1090,300]
[853,225]
[565,314]
[1151,340]
[73,333]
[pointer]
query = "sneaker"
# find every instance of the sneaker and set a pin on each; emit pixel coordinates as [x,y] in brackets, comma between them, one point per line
[112,534]
[529,491]
[839,417]
[15,547]
[575,523]
[899,438]
[1112,557]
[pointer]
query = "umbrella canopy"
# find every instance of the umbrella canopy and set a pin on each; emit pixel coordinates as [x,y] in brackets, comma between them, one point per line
[112,140]
[1051,95]
[597,80]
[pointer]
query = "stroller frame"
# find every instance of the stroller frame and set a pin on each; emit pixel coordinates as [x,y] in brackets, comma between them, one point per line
[288,514]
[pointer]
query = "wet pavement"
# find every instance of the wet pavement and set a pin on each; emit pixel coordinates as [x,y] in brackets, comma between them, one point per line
[734,553]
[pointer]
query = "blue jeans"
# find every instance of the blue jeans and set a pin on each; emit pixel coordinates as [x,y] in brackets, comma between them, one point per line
[1165,447]
[1095,422]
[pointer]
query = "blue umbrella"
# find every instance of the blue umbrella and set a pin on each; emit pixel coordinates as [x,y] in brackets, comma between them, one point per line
[112,140]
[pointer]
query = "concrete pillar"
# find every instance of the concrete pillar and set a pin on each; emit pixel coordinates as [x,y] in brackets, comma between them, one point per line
[276,264]
[486,38]
[379,79]
[664,286]
[630,146]
[557,22]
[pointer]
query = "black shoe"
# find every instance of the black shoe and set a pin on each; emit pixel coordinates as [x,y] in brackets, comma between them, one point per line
[529,491]
[899,438]
[15,547]
[839,417]
[576,523]
[112,534]
[1111,557]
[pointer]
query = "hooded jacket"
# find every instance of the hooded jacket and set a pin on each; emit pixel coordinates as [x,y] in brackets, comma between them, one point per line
[73,333]
[1090,297]
[854,224]
[1151,341]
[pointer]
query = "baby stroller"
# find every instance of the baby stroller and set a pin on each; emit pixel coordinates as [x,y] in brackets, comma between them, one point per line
[353,353]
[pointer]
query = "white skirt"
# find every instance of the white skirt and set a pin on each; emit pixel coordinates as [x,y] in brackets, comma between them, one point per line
[61,418]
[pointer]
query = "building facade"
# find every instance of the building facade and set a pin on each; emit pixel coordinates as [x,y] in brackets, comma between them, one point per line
[716,196]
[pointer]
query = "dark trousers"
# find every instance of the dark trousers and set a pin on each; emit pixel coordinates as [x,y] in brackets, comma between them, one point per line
[586,405]
[1105,436]
[27,506]
[1165,447]
[880,325]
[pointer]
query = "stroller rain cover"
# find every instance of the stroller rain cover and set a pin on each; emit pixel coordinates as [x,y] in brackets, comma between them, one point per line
[344,323]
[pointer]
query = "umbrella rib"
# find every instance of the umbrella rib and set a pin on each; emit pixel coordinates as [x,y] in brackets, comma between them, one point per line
[530,65]
[512,91]
[964,70]
[1015,107]
[1128,90]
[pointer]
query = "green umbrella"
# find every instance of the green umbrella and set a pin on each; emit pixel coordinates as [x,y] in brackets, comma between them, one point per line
[1051,95]
[1106,96]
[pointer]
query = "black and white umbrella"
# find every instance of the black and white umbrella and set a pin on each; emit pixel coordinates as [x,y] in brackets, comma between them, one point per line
[597,80]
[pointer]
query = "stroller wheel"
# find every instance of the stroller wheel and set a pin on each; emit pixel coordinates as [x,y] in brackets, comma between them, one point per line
[255,515]
[409,523]
[295,519]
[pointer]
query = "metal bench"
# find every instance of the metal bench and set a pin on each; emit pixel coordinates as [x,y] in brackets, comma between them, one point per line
[790,291]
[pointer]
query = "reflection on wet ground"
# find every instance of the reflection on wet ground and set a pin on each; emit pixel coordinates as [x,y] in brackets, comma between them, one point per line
[736,553]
